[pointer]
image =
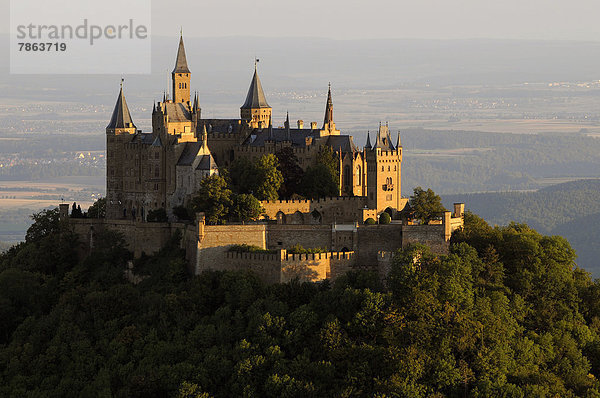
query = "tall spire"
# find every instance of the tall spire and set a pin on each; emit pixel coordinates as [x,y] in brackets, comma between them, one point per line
[288,136]
[398,143]
[328,110]
[181,65]
[368,144]
[196,104]
[256,96]
[121,118]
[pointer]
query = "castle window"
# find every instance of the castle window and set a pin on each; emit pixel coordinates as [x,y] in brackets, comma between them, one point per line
[382,168]
[359,176]
[156,172]
[347,175]
[388,168]
[156,155]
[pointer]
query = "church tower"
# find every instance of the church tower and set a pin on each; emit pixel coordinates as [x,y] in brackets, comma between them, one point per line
[181,76]
[256,111]
[384,163]
[328,123]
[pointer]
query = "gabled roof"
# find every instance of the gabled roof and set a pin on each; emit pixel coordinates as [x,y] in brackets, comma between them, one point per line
[256,96]
[121,118]
[345,143]
[181,65]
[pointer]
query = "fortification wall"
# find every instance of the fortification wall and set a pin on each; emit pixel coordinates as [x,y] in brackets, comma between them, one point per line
[433,236]
[266,266]
[340,209]
[140,237]
[375,238]
[215,240]
[309,236]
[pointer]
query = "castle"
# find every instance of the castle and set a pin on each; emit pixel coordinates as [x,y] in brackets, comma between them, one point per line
[162,169]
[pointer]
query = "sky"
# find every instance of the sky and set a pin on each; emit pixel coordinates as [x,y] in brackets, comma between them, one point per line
[373,19]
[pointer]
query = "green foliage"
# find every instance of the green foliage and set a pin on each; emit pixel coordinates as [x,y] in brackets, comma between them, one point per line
[571,210]
[370,221]
[322,179]
[426,205]
[385,218]
[299,249]
[246,208]
[291,172]
[158,215]
[76,211]
[244,248]
[269,178]
[213,198]
[243,176]
[98,209]
[504,313]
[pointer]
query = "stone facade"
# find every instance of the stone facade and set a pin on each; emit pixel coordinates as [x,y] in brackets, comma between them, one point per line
[162,169]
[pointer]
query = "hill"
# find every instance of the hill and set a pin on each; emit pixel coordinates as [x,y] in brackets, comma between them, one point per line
[505,313]
[571,210]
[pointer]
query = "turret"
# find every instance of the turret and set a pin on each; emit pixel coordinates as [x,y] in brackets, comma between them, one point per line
[255,110]
[121,122]
[328,123]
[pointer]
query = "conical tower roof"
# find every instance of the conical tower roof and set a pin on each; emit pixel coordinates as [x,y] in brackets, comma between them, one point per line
[121,118]
[368,144]
[328,109]
[256,96]
[181,65]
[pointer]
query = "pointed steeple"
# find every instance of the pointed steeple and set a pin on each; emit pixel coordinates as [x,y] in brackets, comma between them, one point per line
[153,107]
[256,96]
[368,144]
[384,140]
[288,136]
[270,130]
[121,118]
[196,104]
[164,97]
[398,143]
[328,110]
[181,65]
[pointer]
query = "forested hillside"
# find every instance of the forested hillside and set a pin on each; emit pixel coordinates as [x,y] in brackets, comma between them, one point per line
[571,210]
[505,314]
[468,161]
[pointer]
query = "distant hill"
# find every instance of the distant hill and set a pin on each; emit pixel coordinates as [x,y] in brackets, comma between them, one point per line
[571,210]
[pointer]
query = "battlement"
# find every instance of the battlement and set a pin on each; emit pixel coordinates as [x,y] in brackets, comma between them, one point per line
[327,199]
[223,136]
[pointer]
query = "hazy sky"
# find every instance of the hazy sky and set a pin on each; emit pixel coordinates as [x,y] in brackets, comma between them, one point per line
[371,19]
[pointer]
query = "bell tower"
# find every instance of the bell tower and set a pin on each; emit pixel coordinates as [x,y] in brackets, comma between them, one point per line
[181,76]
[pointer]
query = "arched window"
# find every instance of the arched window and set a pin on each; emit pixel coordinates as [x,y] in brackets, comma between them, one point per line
[358,176]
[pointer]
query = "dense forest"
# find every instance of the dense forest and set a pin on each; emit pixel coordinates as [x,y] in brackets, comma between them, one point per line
[504,314]
[494,161]
[571,210]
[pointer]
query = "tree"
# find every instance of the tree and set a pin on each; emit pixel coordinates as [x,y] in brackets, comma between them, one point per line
[213,198]
[322,179]
[44,223]
[98,209]
[246,207]
[385,218]
[269,178]
[290,170]
[426,205]
[242,176]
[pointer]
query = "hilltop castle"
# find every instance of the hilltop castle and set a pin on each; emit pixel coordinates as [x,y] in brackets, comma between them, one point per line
[163,168]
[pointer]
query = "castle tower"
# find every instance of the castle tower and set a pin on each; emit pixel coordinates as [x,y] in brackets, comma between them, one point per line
[383,172]
[256,111]
[119,131]
[121,122]
[328,123]
[181,76]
